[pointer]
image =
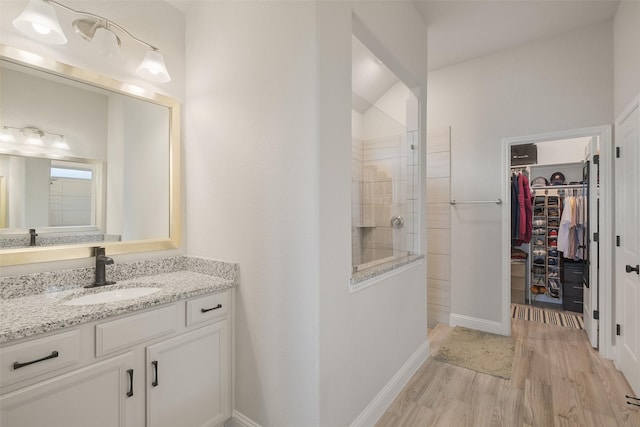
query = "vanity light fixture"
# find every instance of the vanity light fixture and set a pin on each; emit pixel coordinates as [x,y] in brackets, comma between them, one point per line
[33,137]
[39,21]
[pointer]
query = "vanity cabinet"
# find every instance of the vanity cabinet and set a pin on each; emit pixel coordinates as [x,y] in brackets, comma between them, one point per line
[164,367]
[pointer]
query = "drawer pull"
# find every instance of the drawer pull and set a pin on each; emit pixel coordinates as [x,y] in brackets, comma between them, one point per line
[17,365]
[130,392]
[630,269]
[204,310]
[155,373]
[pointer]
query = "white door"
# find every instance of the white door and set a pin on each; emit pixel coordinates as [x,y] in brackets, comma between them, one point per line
[188,379]
[627,274]
[590,292]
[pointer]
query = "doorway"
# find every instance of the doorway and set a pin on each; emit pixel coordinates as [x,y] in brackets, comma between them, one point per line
[558,175]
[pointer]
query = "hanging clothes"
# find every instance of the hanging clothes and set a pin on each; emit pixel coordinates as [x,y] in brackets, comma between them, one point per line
[571,235]
[515,209]
[528,210]
[521,210]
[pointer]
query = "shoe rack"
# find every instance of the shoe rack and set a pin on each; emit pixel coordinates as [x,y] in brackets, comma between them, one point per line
[545,266]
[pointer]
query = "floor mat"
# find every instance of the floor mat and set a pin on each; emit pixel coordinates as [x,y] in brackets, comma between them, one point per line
[481,351]
[552,317]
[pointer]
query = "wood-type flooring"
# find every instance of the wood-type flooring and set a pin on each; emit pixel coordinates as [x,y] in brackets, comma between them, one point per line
[557,380]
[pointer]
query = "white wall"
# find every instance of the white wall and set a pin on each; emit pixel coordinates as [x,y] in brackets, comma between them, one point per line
[626,54]
[269,155]
[365,337]
[252,183]
[559,83]
[562,151]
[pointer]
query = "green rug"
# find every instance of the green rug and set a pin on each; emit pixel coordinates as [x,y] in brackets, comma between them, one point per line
[481,351]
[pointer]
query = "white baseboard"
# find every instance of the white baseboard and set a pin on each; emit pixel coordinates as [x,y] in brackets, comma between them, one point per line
[383,399]
[240,420]
[478,324]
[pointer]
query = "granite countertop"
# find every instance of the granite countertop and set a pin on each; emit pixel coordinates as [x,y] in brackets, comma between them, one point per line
[45,311]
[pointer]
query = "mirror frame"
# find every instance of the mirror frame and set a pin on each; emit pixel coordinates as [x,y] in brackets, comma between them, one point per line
[67,252]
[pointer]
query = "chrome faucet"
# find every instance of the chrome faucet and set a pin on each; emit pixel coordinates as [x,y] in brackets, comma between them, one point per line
[32,237]
[101,274]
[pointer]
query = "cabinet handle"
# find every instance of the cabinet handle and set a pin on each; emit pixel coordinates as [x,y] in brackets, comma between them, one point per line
[155,371]
[204,310]
[631,269]
[18,365]
[130,392]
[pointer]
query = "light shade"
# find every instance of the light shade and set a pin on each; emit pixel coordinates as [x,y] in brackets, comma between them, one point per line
[39,21]
[153,68]
[60,143]
[33,136]
[7,136]
[106,43]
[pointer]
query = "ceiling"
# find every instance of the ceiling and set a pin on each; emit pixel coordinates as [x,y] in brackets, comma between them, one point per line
[460,30]
[463,30]
[370,78]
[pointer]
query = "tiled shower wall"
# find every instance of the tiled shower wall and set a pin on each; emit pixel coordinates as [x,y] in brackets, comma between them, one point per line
[438,226]
[387,170]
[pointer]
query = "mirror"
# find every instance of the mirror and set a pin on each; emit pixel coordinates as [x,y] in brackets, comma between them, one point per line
[85,161]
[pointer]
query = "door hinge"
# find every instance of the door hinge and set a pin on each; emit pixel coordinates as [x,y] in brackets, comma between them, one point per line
[617,329]
[617,152]
[596,237]
[596,159]
[617,240]
[596,314]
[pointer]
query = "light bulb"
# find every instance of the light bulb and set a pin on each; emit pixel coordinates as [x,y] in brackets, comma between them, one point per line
[41,29]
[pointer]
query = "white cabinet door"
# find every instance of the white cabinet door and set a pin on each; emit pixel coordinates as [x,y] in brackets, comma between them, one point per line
[188,381]
[95,396]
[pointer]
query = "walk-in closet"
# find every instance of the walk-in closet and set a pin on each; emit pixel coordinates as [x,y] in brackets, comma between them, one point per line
[552,201]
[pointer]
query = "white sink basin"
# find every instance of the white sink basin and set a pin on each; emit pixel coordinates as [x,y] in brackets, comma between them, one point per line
[112,296]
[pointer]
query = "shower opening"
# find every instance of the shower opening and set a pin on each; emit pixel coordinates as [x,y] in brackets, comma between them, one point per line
[385,163]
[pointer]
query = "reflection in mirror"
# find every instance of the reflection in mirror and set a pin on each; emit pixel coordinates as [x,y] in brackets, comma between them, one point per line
[83,161]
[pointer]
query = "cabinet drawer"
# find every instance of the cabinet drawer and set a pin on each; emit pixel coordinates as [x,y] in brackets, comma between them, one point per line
[129,331]
[573,289]
[572,304]
[39,356]
[207,307]
[517,283]
[518,269]
[517,297]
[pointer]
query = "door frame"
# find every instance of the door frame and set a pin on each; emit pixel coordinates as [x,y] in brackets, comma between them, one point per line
[605,289]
